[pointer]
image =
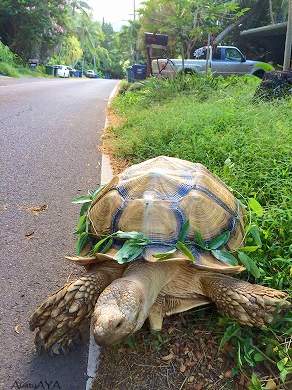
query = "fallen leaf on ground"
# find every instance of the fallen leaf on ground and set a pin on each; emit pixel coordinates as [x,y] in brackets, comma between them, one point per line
[191,379]
[168,357]
[182,368]
[37,209]
[271,385]
[17,328]
[29,235]
[228,374]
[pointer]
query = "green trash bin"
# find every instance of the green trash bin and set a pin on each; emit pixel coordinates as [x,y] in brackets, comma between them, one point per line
[50,70]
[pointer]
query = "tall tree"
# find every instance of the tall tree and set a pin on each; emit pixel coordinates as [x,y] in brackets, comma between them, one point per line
[187,21]
[79,5]
[32,27]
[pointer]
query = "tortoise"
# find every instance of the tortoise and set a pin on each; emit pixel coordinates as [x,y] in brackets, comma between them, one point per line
[158,199]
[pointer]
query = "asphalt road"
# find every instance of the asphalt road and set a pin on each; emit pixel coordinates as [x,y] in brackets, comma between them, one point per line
[49,130]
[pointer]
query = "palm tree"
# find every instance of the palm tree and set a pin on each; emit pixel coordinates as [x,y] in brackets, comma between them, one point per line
[80,5]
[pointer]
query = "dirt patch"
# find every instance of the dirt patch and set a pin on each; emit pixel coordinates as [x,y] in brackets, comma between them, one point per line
[180,357]
[108,140]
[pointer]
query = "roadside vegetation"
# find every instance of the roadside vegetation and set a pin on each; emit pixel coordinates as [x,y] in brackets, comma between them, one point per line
[66,31]
[216,122]
[13,66]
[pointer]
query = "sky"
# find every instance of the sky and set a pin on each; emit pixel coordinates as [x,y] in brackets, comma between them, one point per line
[117,12]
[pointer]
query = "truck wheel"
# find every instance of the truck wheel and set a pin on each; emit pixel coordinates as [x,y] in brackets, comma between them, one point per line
[189,71]
[259,73]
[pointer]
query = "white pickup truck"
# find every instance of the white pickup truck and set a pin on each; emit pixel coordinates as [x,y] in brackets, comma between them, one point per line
[224,60]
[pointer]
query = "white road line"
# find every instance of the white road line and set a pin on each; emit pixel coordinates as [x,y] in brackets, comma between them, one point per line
[94,349]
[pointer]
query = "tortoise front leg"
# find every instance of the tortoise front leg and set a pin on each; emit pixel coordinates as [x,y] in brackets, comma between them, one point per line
[61,318]
[249,304]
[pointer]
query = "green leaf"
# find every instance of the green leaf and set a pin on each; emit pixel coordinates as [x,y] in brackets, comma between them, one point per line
[282,363]
[96,192]
[199,240]
[225,256]
[256,382]
[81,226]
[184,231]
[283,375]
[185,250]
[255,233]
[220,240]
[82,199]
[249,264]
[230,332]
[258,357]
[129,252]
[256,207]
[97,247]
[107,246]
[84,208]
[249,248]
[239,354]
[130,235]
[81,242]
[164,255]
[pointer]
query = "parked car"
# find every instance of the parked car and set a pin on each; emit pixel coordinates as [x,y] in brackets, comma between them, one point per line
[91,74]
[224,60]
[62,71]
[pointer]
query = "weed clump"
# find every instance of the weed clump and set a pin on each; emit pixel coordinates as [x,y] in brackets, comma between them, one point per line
[215,121]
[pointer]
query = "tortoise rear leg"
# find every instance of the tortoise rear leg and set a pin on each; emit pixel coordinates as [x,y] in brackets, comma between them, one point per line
[249,304]
[62,317]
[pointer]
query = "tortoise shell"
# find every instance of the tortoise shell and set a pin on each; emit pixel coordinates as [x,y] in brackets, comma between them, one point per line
[157,197]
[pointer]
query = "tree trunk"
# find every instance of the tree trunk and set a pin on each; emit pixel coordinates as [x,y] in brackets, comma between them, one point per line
[288,44]
[208,54]
[189,49]
[183,57]
[271,12]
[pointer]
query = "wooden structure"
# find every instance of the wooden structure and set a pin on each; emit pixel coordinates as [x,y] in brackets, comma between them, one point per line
[156,42]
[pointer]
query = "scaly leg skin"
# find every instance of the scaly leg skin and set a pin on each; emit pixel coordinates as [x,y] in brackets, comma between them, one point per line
[249,304]
[62,317]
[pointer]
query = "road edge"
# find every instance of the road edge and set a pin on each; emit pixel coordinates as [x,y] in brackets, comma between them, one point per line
[105,176]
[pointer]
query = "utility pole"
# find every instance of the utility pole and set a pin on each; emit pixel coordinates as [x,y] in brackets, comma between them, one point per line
[288,44]
[133,31]
[134,10]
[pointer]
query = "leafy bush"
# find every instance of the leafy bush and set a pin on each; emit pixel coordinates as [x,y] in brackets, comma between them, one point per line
[215,121]
[8,70]
[6,55]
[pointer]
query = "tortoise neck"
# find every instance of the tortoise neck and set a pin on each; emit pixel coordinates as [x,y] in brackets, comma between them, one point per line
[151,278]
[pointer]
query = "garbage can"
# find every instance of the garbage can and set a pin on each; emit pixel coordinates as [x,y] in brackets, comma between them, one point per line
[130,74]
[50,70]
[55,68]
[139,71]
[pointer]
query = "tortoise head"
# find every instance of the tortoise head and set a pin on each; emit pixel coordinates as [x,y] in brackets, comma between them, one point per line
[119,312]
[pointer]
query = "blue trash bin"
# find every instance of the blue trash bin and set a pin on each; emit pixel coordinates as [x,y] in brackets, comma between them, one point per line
[130,74]
[139,71]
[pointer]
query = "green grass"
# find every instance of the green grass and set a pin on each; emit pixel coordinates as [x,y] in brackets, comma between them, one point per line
[12,65]
[18,71]
[8,70]
[248,145]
